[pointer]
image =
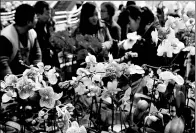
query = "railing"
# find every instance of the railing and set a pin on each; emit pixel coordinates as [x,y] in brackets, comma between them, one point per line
[69,18]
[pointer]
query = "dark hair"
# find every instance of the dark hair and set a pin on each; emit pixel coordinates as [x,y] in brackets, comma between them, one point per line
[144,13]
[39,7]
[121,6]
[110,8]
[123,20]
[24,14]
[130,3]
[87,11]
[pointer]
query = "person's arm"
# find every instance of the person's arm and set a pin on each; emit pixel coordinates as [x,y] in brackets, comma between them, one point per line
[5,52]
[108,39]
[117,30]
[35,54]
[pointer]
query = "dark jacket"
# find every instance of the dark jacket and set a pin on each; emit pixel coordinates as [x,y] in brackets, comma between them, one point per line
[43,37]
[146,48]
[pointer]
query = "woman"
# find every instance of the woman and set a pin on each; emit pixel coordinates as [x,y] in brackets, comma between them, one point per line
[90,25]
[107,14]
[142,21]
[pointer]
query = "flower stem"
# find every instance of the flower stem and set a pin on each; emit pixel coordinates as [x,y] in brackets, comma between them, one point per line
[112,113]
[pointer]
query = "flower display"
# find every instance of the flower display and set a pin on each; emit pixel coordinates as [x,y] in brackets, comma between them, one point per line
[104,93]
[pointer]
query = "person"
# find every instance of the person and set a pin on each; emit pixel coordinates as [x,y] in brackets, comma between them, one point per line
[49,55]
[19,43]
[107,14]
[120,9]
[129,3]
[91,25]
[142,21]
[123,20]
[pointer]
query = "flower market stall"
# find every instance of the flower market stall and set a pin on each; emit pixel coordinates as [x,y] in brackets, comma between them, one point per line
[104,94]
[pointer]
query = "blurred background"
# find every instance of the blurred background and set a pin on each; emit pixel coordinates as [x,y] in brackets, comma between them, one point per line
[66,13]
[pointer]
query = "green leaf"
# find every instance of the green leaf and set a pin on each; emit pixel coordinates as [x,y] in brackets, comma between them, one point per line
[14,125]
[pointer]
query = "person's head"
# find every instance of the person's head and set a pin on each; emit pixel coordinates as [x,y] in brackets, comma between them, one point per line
[121,7]
[42,10]
[129,3]
[139,18]
[107,10]
[88,16]
[25,16]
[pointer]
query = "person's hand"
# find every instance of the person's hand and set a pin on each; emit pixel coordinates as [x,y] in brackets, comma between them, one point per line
[131,54]
[51,53]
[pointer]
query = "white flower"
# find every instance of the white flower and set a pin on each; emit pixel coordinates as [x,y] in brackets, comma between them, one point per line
[191,49]
[149,83]
[52,76]
[90,58]
[135,69]
[165,47]
[170,21]
[162,87]
[190,24]
[154,35]
[133,36]
[177,45]
[82,72]
[110,57]
[75,128]
[190,7]
[170,45]
[167,75]
[179,24]
[128,44]
[185,17]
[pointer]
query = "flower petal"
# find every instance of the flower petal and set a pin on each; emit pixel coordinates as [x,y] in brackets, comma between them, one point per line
[161,88]
[48,103]
[6,98]
[57,96]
